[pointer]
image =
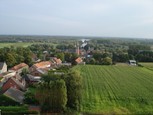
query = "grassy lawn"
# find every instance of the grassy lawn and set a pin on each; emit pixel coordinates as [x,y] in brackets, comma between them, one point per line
[117,89]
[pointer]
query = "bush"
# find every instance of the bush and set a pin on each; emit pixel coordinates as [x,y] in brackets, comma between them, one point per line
[5,101]
[16,110]
[19,112]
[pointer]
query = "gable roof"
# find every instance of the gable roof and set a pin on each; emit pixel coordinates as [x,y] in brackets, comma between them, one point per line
[33,78]
[78,60]
[57,60]
[43,64]
[17,82]
[19,66]
[15,94]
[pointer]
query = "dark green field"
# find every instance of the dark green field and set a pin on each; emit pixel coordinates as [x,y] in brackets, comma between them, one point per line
[117,89]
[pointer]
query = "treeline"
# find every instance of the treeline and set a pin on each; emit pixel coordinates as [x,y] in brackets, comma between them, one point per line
[52,51]
[59,93]
[140,53]
[13,56]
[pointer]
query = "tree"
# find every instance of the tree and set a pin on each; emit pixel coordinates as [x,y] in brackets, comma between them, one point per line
[60,55]
[107,61]
[10,60]
[29,98]
[92,61]
[52,95]
[74,89]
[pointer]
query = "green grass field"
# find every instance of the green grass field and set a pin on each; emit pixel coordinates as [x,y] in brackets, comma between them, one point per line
[147,64]
[117,89]
[15,44]
[21,44]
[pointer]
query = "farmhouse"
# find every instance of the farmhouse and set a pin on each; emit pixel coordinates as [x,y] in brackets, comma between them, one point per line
[132,62]
[40,68]
[3,67]
[12,82]
[18,68]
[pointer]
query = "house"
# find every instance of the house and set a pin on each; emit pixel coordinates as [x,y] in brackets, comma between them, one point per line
[43,64]
[56,61]
[3,67]
[18,68]
[40,68]
[32,79]
[79,61]
[14,94]
[15,83]
[132,62]
[7,74]
[40,71]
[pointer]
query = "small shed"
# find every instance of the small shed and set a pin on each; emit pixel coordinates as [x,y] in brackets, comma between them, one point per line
[132,62]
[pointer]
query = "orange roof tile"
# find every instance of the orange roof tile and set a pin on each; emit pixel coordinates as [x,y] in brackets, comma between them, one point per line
[42,64]
[19,66]
[78,60]
[58,61]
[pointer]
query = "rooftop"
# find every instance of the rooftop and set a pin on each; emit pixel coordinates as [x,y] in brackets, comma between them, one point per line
[42,64]
[15,94]
[19,66]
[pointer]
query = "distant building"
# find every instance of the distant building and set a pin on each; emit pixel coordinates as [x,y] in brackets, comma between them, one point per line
[79,61]
[3,67]
[132,62]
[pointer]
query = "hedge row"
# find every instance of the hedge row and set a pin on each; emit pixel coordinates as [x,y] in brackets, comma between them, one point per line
[19,112]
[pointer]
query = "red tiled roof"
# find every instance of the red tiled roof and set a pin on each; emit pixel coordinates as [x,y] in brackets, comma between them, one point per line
[42,64]
[58,61]
[19,66]
[78,60]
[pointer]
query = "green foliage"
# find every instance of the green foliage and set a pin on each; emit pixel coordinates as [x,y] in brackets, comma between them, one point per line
[60,56]
[13,56]
[107,61]
[29,98]
[52,96]
[10,59]
[24,72]
[16,110]
[6,101]
[74,89]
[117,89]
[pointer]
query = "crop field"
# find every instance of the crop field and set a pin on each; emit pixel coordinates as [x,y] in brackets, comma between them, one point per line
[116,89]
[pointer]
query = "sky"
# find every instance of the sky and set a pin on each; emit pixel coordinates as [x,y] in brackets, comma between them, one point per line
[105,18]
